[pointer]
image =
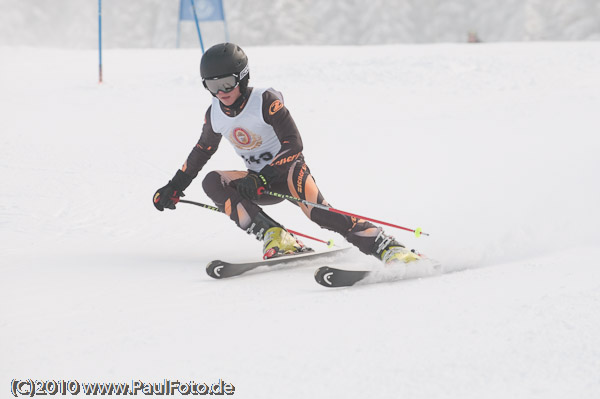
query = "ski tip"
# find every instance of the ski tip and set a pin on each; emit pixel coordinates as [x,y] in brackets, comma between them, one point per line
[213,269]
[323,276]
[333,277]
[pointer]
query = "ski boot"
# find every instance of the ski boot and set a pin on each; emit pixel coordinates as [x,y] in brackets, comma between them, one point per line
[390,251]
[277,240]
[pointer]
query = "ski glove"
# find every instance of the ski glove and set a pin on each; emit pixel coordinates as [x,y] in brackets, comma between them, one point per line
[248,186]
[168,196]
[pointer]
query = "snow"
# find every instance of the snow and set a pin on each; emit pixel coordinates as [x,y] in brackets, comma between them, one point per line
[490,148]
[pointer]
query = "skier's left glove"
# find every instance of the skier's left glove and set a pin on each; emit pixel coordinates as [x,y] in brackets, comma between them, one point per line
[248,186]
[168,196]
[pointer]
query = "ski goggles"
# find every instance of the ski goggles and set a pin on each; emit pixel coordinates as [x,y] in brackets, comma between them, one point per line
[225,83]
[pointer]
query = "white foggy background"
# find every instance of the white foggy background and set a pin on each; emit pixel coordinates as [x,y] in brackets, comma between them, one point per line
[153,23]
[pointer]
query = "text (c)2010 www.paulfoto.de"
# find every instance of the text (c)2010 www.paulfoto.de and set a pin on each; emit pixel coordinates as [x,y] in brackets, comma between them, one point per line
[31,388]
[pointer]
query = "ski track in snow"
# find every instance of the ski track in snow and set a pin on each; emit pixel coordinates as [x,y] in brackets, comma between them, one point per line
[492,149]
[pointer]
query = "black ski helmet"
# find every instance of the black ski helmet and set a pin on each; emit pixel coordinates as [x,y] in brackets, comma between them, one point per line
[225,59]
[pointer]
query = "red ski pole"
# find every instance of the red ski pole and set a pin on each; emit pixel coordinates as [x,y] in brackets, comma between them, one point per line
[214,208]
[328,243]
[418,232]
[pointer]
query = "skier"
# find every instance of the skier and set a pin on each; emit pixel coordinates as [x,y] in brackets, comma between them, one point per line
[261,129]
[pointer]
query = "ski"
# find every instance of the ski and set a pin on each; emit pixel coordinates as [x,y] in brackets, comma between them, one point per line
[219,269]
[333,277]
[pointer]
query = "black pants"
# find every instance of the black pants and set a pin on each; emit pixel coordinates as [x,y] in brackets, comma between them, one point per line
[220,187]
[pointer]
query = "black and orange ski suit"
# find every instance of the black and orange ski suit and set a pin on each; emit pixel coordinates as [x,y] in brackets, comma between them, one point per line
[287,174]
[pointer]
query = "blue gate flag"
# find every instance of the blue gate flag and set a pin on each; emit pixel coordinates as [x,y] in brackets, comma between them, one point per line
[206,10]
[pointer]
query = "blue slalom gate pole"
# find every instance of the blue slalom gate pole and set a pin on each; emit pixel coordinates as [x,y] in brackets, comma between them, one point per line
[179,22]
[225,28]
[224,23]
[100,40]
[198,26]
